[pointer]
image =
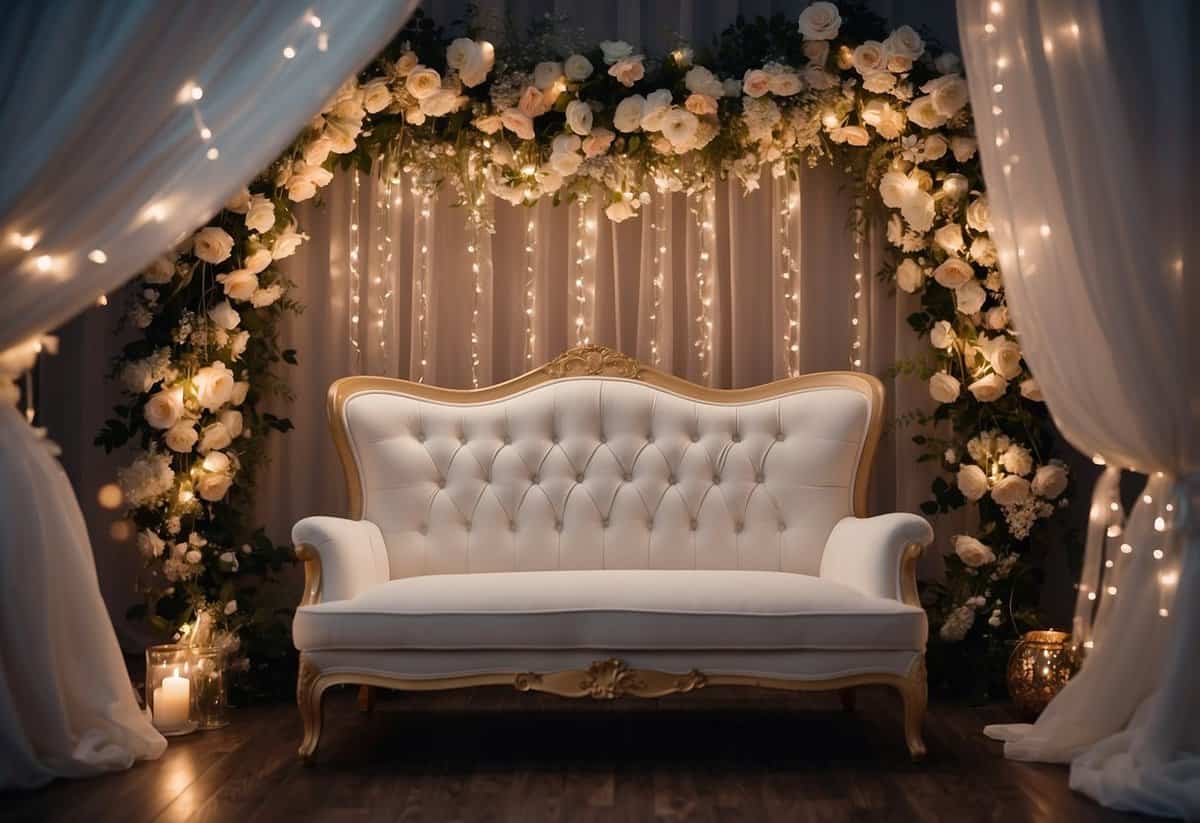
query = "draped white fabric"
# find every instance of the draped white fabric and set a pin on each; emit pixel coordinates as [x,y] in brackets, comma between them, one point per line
[613,267]
[126,124]
[1085,111]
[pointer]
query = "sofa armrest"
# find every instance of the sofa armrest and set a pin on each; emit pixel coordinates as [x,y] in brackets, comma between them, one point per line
[878,555]
[341,557]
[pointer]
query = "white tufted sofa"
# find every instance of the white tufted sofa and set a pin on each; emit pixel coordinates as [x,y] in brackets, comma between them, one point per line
[597,528]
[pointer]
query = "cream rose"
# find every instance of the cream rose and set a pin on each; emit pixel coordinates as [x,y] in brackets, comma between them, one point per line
[972,552]
[655,108]
[628,70]
[459,52]
[895,187]
[979,215]
[1016,459]
[785,83]
[212,245]
[615,50]
[756,83]
[925,114]
[266,296]
[949,238]
[983,251]
[869,57]
[942,335]
[532,103]
[851,135]
[422,82]
[909,275]
[988,389]
[407,62]
[217,478]
[817,51]
[944,387]
[619,211]
[953,273]
[376,95]
[238,396]
[597,142]
[547,73]
[1011,490]
[181,437]
[963,148]
[214,386]
[150,544]
[164,408]
[700,80]
[518,123]
[478,65]
[880,115]
[905,42]
[969,297]
[231,419]
[160,271]
[934,147]
[489,124]
[317,151]
[948,93]
[441,103]
[285,244]
[679,126]
[700,104]
[224,315]
[972,482]
[579,117]
[1005,356]
[1030,390]
[1050,481]
[238,284]
[214,436]
[628,115]
[820,21]
[239,202]
[578,68]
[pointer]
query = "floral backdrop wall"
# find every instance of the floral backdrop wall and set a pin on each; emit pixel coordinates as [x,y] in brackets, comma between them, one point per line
[544,115]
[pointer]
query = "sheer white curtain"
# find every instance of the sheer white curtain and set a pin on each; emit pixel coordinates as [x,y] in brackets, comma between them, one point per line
[613,267]
[126,124]
[1085,112]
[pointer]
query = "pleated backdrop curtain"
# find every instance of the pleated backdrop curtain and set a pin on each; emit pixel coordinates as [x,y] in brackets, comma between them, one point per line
[126,125]
[1086,117]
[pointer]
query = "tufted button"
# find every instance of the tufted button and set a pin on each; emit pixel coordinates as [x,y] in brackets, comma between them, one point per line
[716,479]
[507,440]
[693,524]
[442,483]
[467,525]
[423,529]
[779,436]
[737,527]
[603,438]
[554,437]
[462,440]
[671,480]
[420,437]
[650,438]
[695,437]
[737,437]
[579,477]
[604,522]
[558,525]
[627,476]
[782,526]
[758,478]
[512,525]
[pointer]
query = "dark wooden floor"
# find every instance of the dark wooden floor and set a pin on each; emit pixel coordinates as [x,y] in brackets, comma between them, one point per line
[495,754]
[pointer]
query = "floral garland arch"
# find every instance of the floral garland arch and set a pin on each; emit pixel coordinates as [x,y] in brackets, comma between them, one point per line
[573,123]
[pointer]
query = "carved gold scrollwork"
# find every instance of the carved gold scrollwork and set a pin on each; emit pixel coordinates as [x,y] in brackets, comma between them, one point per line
[608,680]
[593,359]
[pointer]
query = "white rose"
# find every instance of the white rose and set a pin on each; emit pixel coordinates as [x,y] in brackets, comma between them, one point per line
[317,150]
[948,92]
[953,273]
[579,117]
[963,148]
[266,296]
[909,275]
[164,408]
[1011,490]
[969,297]
[615,50]
[785,83]
[459,52]
[239,202]
[213,487]
[979,215]
[950,456]
[972,552]
[181,437]
[546,74]
[237,344]
[376,95]
[231,419]
[655,108]
[942,335]
[944,387]
[820,21]
[817,51]
[679,126]
[160,271]
[238,284]
[214,436]
[983,251]
[478,65]
[1050,481]
[879,82]
[1016,459]
[880,115]
[578,68]
[628,115]
[214,386]
[224,315]
[700,80]
[972,482]
[1005,357]
[238,395]
[150,544]
[422,82]
[895,187]
[566,163]
[851,135]
[211,244]
[1030,390]
[869,57]
[518,123]
[905,42]
[441,103]
[619,211]
[628,71]
[988,389]
[949,237]
[925,114]
[919,210]
[947,62]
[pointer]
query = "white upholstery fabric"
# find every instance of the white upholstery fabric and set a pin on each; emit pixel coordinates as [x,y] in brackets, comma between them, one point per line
[605,473]
[787,665]
[864,552]
[353,557]
[600,609]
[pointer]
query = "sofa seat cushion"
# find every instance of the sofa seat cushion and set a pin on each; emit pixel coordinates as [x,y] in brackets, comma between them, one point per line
[612,609]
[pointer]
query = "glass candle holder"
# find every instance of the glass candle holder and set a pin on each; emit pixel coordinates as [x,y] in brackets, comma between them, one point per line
[169,688]
[1040,665]
[209,696]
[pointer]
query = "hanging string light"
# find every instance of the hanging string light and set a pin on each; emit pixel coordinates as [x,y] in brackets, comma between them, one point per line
[421,284]
[706,257]
[387,284]
[476,298]
[858,296]
[530,297]
[790,275]
[585,252]
[355,275]
[658,226]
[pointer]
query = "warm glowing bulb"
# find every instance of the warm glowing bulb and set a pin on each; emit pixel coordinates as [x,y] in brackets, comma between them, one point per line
[44,263]
[109,496]
[98,256]
[289,52]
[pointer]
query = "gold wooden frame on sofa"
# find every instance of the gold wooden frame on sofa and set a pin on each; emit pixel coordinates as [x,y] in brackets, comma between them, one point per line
[610,678]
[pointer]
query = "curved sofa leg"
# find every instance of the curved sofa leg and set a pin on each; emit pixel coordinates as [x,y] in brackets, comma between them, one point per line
[309,695]
[915,694]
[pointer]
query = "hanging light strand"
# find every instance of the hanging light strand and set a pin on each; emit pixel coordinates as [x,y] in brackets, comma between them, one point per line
[355,273]
[585,251]
[706,243]
[529,296]
[858,295]
[383,281]
[476,298]
[656,291]
[421,282]
[790,275]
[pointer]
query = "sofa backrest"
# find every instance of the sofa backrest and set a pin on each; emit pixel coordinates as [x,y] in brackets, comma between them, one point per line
[594,461]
